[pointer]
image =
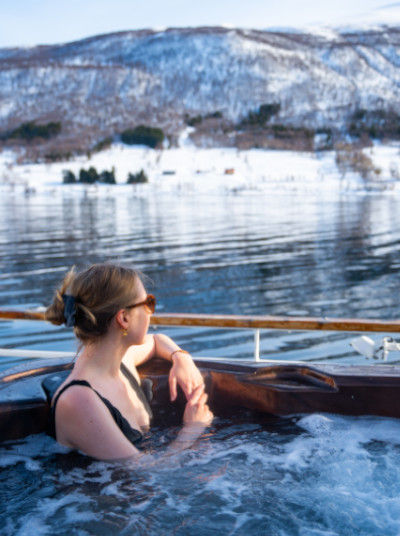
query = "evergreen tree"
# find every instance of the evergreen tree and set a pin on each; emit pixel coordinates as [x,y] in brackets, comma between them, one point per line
[68,176]
[107,177]
[143,135]
[30,130]
[137,178]
[89,176]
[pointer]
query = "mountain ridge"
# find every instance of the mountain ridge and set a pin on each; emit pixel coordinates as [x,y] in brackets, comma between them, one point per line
[99,85]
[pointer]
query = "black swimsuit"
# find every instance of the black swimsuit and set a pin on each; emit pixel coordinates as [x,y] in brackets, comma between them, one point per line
[130,433]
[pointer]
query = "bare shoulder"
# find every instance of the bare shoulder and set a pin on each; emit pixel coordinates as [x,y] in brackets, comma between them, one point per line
[77,398]
[84,422]
[78,406]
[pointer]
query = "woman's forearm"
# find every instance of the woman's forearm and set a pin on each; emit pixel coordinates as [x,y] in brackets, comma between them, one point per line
[164,346]
[185,439]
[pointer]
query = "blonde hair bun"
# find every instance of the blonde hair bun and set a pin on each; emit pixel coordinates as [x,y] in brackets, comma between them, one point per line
[99,292]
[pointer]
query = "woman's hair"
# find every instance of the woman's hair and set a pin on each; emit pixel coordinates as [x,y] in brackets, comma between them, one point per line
[99,292]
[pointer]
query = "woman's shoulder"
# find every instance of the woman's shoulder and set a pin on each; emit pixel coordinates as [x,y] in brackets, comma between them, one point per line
[79,405]
[64,389]
[85,423]
[77,401]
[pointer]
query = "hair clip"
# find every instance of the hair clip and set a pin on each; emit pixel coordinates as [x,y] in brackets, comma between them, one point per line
[69,310]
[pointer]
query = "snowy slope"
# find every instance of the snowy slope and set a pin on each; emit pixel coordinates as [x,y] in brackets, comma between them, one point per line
[108,82]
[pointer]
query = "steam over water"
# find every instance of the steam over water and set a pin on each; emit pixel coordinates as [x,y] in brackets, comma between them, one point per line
[238,254]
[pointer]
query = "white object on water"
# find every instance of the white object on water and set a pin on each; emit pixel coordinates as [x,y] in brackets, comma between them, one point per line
[364,345]
[371,350]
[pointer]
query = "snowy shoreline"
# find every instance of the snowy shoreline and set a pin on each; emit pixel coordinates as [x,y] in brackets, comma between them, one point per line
[188,169]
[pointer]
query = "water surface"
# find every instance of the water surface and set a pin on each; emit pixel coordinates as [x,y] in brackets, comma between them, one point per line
[238,254]
[245,254]
[313,475]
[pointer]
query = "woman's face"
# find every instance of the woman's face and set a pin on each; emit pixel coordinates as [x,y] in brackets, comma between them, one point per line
[139,317]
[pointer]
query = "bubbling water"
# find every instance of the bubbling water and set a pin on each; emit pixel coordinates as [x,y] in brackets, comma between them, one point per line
[318,474]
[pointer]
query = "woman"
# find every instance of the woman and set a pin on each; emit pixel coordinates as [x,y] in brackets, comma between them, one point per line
[101,409]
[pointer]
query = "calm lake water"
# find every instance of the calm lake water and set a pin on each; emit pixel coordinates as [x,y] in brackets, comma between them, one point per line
[291,254]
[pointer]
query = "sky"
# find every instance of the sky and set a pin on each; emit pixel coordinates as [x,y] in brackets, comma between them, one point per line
[33,22]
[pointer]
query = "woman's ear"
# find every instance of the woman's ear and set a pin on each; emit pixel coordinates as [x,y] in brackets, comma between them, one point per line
[122,318]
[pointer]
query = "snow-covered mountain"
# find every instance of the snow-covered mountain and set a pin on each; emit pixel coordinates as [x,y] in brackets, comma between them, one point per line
[102,84]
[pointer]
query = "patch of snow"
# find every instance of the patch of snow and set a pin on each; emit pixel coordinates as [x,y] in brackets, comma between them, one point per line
[285,29]
[184,140]
[191,169]
[6,107]
[323,31]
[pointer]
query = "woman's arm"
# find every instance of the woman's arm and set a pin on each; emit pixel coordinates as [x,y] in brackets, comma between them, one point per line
[84,423]
[196,418]
[183,371]
[140,353]
[159,345]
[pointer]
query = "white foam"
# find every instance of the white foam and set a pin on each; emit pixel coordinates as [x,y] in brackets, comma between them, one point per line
[36,522]
[28,449]
[325,475]
[361,429]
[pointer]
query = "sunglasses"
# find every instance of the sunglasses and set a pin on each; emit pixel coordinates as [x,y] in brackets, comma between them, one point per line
[149,303]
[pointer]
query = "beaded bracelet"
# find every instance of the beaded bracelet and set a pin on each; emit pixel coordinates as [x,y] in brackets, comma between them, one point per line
[176,351]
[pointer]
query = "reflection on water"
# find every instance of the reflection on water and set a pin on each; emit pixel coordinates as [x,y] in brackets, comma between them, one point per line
[212,254]
[248,254]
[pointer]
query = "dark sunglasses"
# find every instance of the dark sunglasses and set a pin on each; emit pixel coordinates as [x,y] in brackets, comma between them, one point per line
[149,302]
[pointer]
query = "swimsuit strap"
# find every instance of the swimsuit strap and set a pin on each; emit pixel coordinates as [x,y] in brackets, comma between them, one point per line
[138,389]
[130,433]
[72,382]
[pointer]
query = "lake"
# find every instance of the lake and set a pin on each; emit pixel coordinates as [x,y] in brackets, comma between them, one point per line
[314,254]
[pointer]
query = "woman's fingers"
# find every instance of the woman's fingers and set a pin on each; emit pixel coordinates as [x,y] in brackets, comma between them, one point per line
[197,410]
[188,390]
[203,398]
[172,387]
[190,387]
[196,394]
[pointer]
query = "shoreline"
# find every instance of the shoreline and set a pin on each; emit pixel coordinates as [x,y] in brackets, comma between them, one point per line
[189,169]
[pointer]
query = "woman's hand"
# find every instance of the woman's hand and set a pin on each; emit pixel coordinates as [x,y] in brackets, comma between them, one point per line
[184,373]
[196,410]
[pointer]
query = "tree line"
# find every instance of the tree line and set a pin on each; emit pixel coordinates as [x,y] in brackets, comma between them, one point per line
[91,176]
